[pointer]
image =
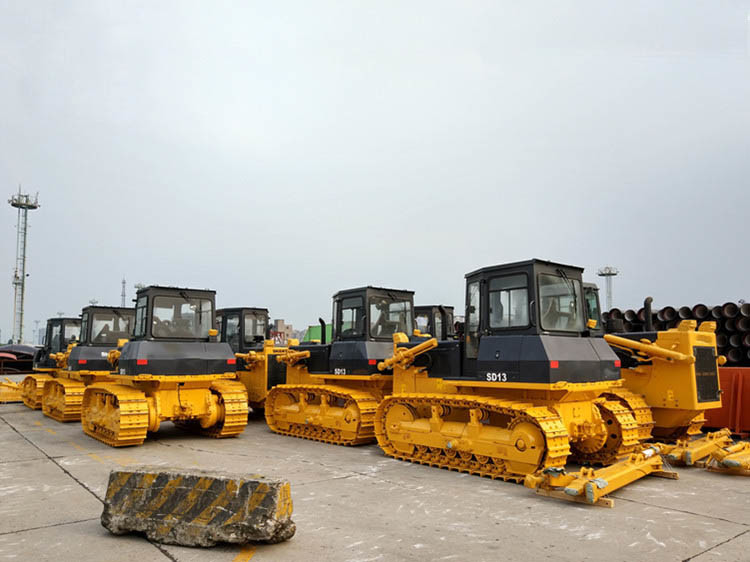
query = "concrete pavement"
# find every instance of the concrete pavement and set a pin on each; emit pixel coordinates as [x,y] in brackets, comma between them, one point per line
[353,504]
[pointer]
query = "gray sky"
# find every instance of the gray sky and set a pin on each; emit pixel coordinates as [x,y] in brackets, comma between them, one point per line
[280,151]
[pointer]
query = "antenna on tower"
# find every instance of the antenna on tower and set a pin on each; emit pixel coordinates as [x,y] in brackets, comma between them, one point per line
[608,272]
[122,294]
[24,203]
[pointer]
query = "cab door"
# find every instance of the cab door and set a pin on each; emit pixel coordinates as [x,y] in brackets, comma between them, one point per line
[232,331]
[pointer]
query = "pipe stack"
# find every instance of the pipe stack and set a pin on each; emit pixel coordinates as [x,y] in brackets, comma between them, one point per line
[732,325]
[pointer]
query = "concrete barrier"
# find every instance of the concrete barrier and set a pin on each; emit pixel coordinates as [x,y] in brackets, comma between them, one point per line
[193,507]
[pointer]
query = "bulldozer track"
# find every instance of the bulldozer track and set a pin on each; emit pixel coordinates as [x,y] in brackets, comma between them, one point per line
[115,414]
[463,459]
[622,439]
[233,400]
[639,408]
[62,399]
[315,426]
[32,388]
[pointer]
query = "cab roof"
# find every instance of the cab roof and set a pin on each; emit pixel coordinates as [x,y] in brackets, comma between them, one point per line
[100,307]
[155,288]
[372,288]
[520,264]
[241,309]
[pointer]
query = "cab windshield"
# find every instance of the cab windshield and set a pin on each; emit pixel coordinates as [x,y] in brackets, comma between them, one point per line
[108,327]
[559,307]
[389,315]
[255,327]
[181,317]
[72,333]
[423,322]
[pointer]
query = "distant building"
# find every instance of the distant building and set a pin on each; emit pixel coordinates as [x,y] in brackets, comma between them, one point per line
[281,332]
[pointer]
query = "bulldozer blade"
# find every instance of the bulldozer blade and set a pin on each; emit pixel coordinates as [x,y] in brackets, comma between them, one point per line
[9,392]
[696,451]
[734,459]
[592,486]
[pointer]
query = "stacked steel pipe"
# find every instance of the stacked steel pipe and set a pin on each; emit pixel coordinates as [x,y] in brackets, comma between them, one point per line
[732,325]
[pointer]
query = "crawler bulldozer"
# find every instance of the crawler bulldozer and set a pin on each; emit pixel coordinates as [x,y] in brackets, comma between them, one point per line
[247,331]
[59,334]
[102,329]
[332,389]
[436,320]
[173,369]
[527,390]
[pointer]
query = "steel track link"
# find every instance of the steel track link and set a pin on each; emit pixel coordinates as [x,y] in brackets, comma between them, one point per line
[234,398]
[638,407]
[556,436]
[104,403]
[32,388]
[366,404]
[62,399]
[622,440]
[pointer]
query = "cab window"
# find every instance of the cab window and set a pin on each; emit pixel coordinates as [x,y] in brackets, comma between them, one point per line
[351,321]
[389,315]
[181,317]
[233,331]
[423,322]
[55,344]
[109,327]
[85,325]
[509,301]
[438,324]
[140,317]
[72,333]
[560,309]
[472,320]
[255,327]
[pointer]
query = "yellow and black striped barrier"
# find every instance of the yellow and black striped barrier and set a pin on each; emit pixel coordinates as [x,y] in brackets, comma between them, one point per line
[193,507]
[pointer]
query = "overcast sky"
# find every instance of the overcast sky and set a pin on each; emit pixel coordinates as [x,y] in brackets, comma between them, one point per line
[280,151]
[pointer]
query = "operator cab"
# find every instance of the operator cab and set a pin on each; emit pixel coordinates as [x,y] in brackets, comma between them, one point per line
[243,328]
[364,321]
[59,333]
[101,328]
[174,334]
[436,320]
[525,323]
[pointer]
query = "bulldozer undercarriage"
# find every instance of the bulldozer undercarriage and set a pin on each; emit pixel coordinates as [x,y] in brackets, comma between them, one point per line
[518,442]
[32,388]
[328,413]
[62,398]
[120,415]
[484,436]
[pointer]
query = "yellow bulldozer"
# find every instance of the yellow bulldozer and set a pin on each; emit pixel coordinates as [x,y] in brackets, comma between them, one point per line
[527,390]
[332,389]
[247,331]
[60,333]
[86,362]
[173,369]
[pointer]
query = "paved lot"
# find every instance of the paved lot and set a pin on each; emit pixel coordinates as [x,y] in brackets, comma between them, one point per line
[353,504]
